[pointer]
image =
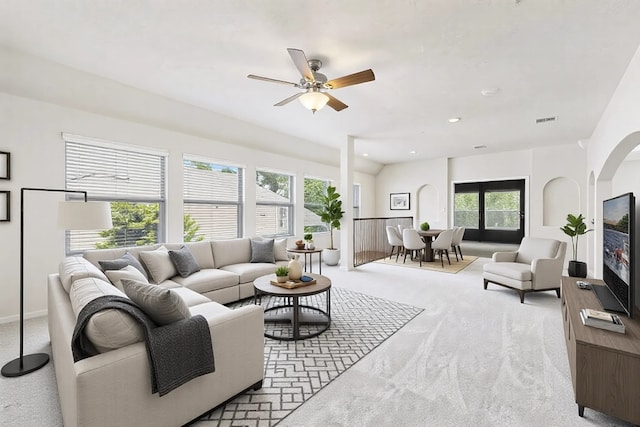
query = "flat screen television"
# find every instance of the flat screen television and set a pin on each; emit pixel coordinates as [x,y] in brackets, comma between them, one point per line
[618,220]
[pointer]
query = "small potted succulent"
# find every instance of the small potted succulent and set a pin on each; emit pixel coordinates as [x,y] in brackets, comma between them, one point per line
[282,274]
[575,228]
[308,238]
[425,226]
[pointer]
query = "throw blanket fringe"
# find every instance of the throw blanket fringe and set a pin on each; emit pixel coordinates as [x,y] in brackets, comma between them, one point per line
[177,352]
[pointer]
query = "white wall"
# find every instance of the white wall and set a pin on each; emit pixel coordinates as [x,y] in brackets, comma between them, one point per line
[537,166]
[32,118]
[410,178]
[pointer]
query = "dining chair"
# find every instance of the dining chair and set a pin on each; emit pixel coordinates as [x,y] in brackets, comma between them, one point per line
[441,245]
[458,233]
[413,243]
[393,236]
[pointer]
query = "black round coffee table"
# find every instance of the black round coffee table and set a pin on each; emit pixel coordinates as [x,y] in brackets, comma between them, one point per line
[292,311]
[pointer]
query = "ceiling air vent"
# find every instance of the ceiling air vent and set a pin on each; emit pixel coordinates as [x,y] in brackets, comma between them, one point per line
[547,119]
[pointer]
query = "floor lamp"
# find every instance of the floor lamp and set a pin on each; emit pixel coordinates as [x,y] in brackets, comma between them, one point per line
[71,216]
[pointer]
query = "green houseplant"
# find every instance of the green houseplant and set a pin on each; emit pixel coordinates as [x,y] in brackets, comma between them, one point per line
[331,213]
[308,238]
[425,226]
[282,274]
[575,228]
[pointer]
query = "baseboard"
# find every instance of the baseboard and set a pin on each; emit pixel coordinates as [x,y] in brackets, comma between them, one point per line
[16,317]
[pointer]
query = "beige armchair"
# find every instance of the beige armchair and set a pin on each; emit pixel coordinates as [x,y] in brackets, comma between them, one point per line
[536,266]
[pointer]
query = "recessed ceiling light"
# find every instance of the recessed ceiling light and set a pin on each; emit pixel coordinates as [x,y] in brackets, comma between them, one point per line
[412,152]
[365,154]
[454,119]
[490,91]
[479,147]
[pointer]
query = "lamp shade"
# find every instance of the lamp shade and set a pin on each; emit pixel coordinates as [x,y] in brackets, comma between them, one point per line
[84,215]
[314,100]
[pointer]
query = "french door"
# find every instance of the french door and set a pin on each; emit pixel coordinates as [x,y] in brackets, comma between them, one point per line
[491,211]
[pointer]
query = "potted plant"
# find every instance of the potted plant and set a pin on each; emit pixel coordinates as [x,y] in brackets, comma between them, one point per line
[331,213]
[282,274]
[308,238]
[425,226]
[575,228]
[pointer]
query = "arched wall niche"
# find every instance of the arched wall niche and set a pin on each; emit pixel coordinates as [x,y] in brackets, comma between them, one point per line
[603,191]
[428,206]
[560,196]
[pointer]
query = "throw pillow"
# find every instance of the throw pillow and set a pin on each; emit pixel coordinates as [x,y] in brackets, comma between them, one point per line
[122,262]
[161,305]
[128,272]
[262,251]
[184,261]
[280,250]
[159,264]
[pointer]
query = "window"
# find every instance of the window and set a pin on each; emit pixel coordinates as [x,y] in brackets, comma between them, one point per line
[467,207]
[213,200]
[132,180]
[356,200]
[314,190]
[274,205]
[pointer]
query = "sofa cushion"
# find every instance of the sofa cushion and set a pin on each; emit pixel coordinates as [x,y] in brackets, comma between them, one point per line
[76,267]
[280,250]
[191,298]
[208,280]
[231,251]
[120,263]
[158,264]
[184,261]
[128,272]
[210,310]
[202,252]
[262,250]
[248,272]
[163,306]
[108,329]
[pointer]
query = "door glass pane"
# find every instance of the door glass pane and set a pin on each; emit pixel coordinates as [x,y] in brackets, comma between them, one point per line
[502,210]
[467,207]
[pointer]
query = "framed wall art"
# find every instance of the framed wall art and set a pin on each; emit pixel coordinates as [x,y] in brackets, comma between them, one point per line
[5,206]
[399,201]
[5,165]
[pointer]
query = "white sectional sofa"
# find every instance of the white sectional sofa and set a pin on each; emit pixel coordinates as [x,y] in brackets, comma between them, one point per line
[113,388]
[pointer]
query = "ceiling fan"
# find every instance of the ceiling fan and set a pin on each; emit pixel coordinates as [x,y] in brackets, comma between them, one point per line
[315,84]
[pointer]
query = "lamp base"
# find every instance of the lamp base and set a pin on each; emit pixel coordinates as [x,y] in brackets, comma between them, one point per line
[26,364]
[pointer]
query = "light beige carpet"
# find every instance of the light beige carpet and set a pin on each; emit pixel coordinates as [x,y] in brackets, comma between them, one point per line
[455,266]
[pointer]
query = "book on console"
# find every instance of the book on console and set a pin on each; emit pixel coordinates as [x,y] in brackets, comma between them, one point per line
[602,320]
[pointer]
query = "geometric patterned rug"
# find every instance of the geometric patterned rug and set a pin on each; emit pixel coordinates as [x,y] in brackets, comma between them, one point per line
[296,370]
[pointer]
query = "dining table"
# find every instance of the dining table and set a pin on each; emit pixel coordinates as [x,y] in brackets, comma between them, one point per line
[428,236]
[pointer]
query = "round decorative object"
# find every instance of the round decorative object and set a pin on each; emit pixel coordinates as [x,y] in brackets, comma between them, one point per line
[331,256]
[424,226]
[295,268]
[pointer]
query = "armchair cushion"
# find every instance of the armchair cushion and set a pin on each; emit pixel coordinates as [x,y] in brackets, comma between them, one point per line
[512,270]
[532,248]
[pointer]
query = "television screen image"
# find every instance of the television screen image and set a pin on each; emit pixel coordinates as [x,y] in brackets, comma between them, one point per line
[618,223]
[616,236]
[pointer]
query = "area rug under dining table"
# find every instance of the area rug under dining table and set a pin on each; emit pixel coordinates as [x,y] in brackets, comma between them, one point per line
[436,265]
[296,370]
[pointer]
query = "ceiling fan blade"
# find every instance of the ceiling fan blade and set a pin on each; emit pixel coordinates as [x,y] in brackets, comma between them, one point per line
[289,99]
[267,79]
[351,79]
[335,103]
[300,59]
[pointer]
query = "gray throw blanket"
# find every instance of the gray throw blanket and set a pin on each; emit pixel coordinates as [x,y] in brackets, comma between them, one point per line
[177,352]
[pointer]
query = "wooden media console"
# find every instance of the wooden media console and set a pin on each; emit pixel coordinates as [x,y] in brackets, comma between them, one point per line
[605,365]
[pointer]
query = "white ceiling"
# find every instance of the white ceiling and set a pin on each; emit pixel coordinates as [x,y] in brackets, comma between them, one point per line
[431,58]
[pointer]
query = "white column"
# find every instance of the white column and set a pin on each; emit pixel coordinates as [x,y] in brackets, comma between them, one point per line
[346,191]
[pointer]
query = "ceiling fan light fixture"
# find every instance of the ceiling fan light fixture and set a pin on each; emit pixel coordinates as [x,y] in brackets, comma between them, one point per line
[314,100]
